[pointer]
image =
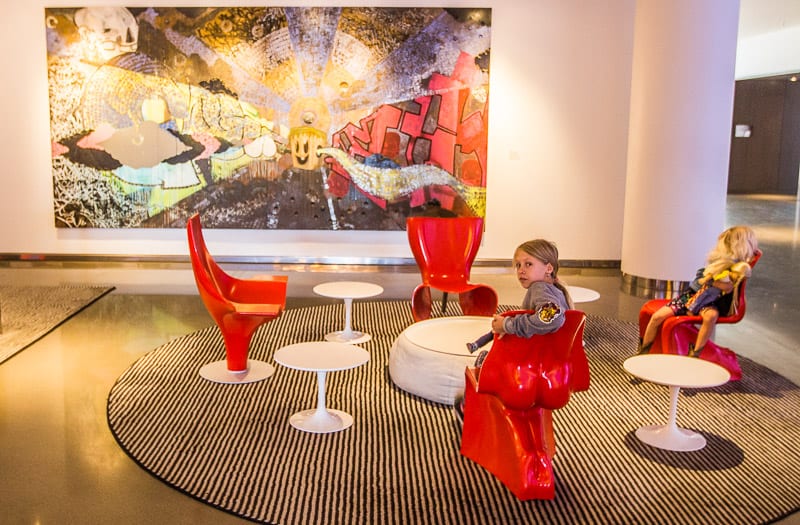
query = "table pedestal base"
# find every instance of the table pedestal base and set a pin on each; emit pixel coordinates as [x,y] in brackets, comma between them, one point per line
[321,421]
[218,372]
[352,337]
[671,438]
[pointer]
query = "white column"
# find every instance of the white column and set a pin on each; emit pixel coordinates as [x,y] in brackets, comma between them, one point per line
[684,56]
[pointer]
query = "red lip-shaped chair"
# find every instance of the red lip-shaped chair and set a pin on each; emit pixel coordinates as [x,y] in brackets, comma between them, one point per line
[508,404]
[238,307]
[445,249]
[676,333]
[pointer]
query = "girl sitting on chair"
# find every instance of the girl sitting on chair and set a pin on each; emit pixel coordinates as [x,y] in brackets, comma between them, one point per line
[710,292]
[536,264]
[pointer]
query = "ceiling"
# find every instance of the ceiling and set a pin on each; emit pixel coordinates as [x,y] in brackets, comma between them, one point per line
[757,17]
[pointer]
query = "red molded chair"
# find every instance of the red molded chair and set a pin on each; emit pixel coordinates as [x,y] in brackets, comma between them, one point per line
[445,249]
[676,333]
[238,307]
[508,404]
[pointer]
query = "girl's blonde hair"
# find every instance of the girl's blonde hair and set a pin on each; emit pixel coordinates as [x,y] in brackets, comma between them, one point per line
[734,245]
[547,253]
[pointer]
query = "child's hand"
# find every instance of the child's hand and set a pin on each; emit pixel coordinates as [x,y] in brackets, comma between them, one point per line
[497,324]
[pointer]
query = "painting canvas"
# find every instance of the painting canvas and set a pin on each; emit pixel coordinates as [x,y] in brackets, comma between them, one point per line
[267,117]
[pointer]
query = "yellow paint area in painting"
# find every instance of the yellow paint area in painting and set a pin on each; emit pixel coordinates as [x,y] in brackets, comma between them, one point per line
[304,143]
[475,197]
[395,183]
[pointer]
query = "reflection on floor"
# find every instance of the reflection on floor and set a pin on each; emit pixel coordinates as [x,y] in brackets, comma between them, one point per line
[60,463]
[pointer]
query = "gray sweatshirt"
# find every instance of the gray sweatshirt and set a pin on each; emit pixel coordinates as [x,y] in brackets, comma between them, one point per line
[549,304]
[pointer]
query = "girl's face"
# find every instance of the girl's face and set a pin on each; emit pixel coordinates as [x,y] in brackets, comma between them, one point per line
[530,269]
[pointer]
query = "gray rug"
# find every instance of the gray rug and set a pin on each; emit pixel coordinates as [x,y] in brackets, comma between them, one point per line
[27,313]
[231,446]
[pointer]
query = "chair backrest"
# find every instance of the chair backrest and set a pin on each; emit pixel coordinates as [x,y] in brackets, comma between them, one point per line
[445,249]
[210,278]
[739,303]
[535,371]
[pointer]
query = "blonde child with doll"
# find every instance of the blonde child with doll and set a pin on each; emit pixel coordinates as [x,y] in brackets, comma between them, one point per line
[711,291]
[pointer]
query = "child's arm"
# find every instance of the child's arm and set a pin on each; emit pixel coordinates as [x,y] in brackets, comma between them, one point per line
[547,318]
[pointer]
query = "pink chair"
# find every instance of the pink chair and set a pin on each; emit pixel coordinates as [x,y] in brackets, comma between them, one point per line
[508,404]
[237,306]
[445,249]
[676,333]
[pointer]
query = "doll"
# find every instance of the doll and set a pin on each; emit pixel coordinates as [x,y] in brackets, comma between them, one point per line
[710,290]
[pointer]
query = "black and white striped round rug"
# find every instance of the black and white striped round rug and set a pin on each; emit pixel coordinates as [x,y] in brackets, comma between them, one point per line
[231,446]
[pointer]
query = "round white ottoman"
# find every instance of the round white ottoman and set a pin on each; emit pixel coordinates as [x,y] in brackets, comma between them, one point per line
[428,358]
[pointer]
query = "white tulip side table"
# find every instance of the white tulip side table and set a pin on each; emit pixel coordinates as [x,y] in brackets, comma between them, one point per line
[321,357]
[676,372]
[348,290]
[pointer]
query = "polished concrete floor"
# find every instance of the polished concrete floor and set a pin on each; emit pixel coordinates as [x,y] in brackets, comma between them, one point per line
[61,465]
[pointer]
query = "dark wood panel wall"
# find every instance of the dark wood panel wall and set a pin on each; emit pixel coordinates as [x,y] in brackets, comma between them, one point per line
[789,169]
[767,161]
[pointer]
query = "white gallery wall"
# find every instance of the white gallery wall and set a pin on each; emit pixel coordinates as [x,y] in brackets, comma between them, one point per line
[558,126]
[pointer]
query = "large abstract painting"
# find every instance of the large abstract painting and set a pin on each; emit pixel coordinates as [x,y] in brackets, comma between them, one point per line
[267,117]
